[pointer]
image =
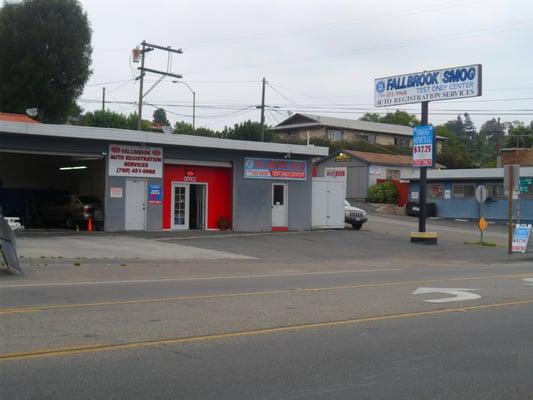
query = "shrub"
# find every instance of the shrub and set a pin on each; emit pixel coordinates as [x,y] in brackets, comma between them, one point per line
[384,192]
[223,224]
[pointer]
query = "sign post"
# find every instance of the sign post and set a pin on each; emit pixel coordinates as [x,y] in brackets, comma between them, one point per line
[511,179]
[423,87]
[481,197]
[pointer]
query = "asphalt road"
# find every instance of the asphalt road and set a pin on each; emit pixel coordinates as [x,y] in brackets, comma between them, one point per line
[445,322]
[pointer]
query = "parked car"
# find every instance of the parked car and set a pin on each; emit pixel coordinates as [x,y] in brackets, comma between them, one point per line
[354,216]
[72,210]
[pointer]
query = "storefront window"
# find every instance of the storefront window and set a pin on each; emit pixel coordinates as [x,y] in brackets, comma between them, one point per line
[434,191]
[463,190]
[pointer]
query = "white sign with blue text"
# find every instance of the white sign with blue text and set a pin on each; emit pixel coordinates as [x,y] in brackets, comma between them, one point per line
[442,84]
[521,237]
[423,146]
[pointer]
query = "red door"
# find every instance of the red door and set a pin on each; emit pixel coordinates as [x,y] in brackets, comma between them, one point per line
[218,181]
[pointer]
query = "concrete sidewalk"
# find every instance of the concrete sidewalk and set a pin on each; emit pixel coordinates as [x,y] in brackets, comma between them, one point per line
[112,246]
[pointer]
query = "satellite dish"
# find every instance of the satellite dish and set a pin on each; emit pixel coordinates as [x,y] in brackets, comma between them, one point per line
[32,112]
[167,130]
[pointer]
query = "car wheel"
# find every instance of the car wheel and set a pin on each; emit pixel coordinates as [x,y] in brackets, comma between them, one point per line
[357,226]
[69,223]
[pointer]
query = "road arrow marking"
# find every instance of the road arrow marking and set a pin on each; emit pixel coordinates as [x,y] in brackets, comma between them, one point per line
[459,294]
[529,281]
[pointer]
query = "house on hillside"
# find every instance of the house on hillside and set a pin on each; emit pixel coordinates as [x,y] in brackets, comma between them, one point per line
[363,169]
[300,126]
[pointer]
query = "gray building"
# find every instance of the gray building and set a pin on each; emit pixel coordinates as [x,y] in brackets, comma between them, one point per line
[363,169]
[152,181]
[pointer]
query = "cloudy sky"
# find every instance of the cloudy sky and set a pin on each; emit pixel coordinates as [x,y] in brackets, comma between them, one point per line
[318,56]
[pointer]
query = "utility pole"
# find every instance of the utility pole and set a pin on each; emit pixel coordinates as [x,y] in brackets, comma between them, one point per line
[145,48]
[498,135]
[263,112]
[103,99]
[141,84]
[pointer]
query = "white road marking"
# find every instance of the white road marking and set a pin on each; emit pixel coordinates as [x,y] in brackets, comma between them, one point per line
[529,281]
[203,278]
[459,294]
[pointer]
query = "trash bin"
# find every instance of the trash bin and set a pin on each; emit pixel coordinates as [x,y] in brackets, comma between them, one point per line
[413,209]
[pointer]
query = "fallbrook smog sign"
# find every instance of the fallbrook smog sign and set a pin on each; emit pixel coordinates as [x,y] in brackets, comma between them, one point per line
[442,84]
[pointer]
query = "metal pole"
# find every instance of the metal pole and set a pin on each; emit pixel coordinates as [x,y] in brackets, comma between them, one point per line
[141,83]
[103,99]
[422,215]
[510,201]
[481,216]
[193,109]
[263,112]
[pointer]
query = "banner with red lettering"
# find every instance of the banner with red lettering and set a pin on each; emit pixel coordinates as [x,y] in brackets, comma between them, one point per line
[268,168]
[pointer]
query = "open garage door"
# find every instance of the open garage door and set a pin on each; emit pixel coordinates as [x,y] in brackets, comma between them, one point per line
[52,190]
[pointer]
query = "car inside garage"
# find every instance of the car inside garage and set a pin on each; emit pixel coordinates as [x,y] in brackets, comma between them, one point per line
[53,191]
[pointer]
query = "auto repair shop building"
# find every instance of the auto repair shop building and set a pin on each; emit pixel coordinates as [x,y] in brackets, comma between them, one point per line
[152,181]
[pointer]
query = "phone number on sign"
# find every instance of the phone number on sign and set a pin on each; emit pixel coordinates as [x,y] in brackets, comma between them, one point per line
[144,171]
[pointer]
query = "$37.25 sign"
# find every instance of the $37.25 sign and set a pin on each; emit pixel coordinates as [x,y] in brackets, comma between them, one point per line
[423,146]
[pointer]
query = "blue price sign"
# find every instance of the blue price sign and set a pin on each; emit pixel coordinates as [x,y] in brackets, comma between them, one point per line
[423,146]
[155,194]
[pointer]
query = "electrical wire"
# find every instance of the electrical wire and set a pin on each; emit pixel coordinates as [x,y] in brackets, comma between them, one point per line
[330,25]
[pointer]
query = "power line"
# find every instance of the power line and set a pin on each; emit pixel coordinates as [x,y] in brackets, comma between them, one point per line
[329,26]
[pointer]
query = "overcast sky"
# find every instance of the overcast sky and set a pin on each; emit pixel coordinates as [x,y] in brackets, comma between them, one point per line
[318,56]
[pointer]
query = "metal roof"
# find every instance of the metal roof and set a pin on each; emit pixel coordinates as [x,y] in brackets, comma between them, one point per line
[464,174]
[367,126]
[123,135]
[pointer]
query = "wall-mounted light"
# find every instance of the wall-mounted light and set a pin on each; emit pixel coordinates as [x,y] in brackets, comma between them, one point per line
[72,168]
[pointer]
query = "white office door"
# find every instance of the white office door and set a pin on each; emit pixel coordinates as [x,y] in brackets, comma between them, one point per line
[180,206]
[135,205]
[279,205]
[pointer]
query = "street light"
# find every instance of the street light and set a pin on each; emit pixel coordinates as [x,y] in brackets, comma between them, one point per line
[193,101]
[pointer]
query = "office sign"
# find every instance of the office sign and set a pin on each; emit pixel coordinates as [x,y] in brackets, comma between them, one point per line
[520,238]
[268,168]
[135,161]
[441,84]
[423,146]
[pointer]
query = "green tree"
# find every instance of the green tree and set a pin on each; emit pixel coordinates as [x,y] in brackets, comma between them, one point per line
[371,117]
[456,126]
[453,153]
[160,117]
[184,128]
[520,136]
[396,118]
[45,56]
[400,118]
[104,119]
[248,130]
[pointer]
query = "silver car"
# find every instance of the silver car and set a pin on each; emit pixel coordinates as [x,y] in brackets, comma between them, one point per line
[354,216]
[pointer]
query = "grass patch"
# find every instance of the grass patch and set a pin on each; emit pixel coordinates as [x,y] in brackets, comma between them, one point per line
[77,264]
[481,243]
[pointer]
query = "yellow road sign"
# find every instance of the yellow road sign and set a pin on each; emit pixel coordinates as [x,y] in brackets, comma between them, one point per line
[483,224]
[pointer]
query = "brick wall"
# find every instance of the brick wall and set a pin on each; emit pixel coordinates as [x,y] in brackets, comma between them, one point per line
[523,157]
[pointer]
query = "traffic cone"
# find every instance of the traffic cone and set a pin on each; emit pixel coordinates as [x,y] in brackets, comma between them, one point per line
[90,225]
